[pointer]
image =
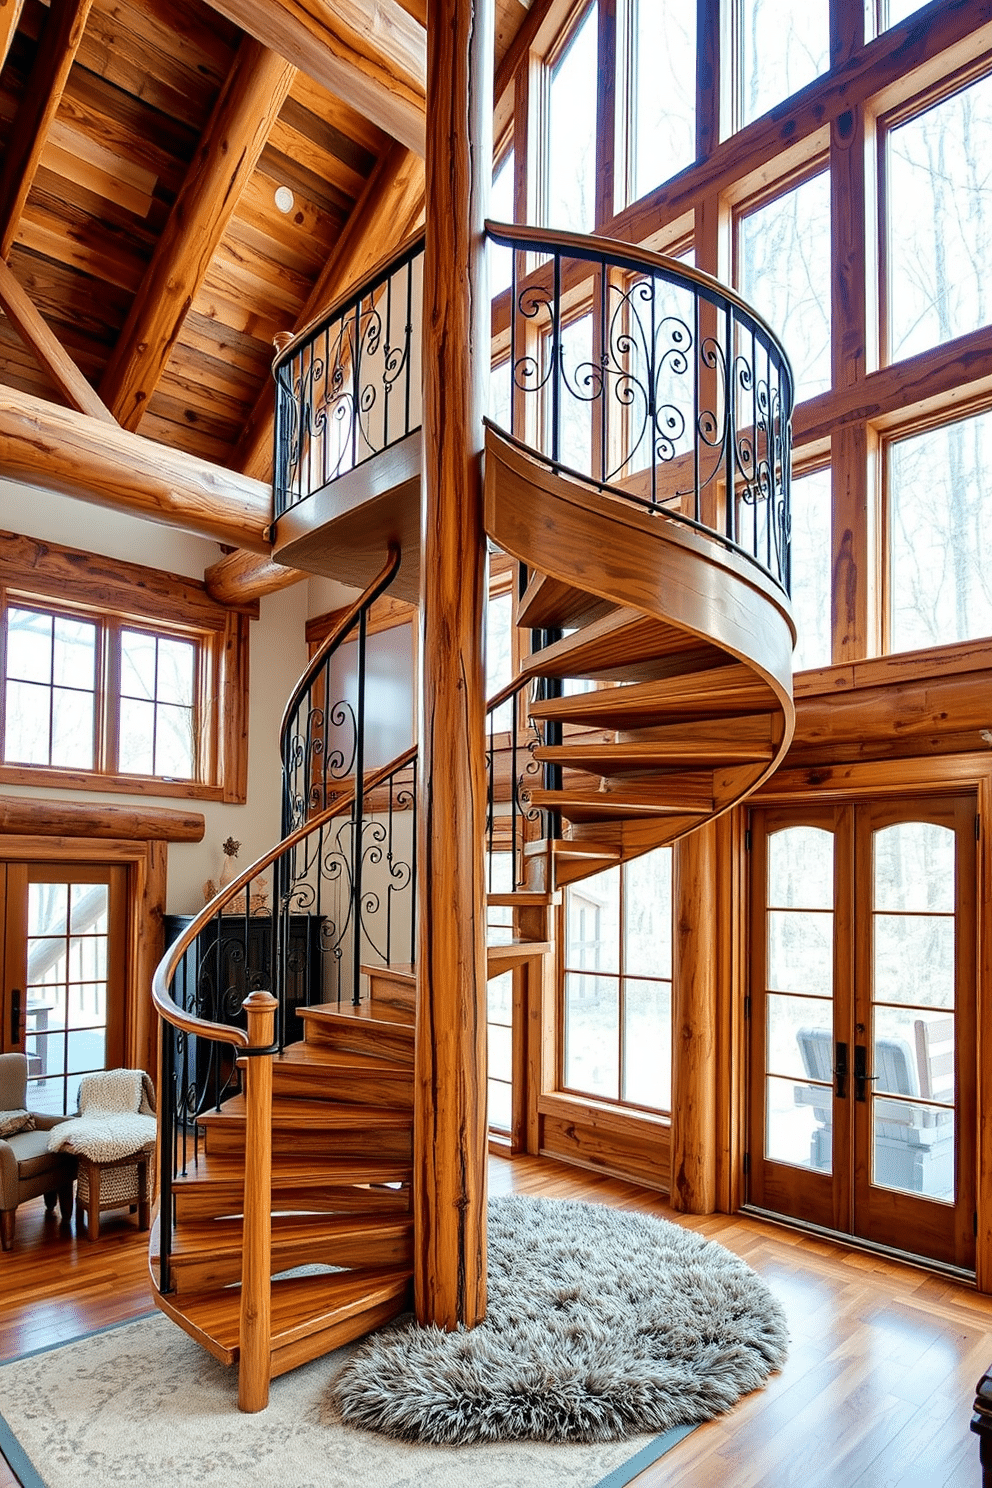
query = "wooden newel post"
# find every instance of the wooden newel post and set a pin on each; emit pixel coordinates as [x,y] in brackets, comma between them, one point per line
[256,1269]
[449,1187]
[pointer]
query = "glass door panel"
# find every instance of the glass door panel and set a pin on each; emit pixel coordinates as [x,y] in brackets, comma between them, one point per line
[64,970]
[863,1013]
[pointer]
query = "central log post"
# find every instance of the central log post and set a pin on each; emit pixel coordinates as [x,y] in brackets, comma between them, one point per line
[449,1189]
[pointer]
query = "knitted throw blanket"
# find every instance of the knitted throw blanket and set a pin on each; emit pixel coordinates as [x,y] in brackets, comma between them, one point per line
[110,1124]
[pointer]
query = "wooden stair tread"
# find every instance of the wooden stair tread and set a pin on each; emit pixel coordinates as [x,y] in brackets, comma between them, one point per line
[370,1013]
[300,1305]
[294,1111]
[594,805]
[552,604]
[322,1056]
[525,899]
[623,645]
[649,754]
[225,1236]
[722,691]
[293,1170]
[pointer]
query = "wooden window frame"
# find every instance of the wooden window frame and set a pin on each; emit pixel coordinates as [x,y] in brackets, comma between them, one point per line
[621,975]
[118,594]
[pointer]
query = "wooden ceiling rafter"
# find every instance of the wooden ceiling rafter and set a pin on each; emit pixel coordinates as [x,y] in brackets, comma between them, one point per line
[54,57]
[10,15]
[370,53]
[248,105]
[51,355]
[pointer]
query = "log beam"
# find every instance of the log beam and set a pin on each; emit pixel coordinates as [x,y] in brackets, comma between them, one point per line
[54,58]
[369,53]
[248,106]
[49,352]
[449,1176]
[32,816]
[242,577]
[61,450]
[388,210]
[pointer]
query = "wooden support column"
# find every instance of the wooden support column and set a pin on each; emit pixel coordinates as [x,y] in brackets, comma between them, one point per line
[449,1182]
[694,1013]
[255,1363]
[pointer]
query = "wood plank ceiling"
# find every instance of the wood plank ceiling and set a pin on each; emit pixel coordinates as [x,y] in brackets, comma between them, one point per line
[143,143]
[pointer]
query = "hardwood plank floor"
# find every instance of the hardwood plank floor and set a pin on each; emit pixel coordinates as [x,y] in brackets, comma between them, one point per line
[876,1393]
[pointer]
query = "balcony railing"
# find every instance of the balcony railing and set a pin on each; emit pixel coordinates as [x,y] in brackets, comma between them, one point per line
[652,381]
[349,386]
[627,369]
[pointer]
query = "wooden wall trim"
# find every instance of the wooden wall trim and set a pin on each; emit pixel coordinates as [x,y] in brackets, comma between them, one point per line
[53,571]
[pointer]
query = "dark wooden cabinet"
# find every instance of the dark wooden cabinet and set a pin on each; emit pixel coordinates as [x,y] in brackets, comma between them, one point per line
[235,955]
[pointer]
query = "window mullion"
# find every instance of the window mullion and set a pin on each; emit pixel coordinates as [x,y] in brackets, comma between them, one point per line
[109,692]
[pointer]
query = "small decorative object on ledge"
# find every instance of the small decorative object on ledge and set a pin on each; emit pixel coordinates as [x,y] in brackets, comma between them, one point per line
[258,897]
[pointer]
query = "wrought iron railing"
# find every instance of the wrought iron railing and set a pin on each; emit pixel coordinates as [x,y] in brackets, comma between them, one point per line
[308,948]
[513,822]
[322,736]
[653,381]
[349,386]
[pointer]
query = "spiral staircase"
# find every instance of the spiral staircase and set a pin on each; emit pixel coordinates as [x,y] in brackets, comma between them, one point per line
[657,696]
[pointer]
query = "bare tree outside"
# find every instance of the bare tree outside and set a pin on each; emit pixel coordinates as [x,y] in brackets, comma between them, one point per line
[783,46]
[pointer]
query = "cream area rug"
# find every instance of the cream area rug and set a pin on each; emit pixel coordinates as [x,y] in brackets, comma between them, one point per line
[143,1406]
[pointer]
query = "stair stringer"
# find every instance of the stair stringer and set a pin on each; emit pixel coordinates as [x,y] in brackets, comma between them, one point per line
[645,560]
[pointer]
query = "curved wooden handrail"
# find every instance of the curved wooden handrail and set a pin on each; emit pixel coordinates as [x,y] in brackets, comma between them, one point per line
[622,255]
[166,969]
[378,585]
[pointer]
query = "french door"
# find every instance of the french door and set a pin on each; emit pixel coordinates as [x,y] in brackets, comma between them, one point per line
[862,1062]
[63,973]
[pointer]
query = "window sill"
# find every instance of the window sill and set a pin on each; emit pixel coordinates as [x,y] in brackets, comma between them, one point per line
[53,778]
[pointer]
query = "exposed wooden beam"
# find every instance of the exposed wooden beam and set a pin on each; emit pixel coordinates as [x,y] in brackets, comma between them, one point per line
[10,15]
[69,452]
[241,577]
[243,116]
[29,816]
[387,211]
[51,355]
[56,50]
[370,53]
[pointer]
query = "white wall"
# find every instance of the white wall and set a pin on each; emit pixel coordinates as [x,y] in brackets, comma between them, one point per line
[278,655]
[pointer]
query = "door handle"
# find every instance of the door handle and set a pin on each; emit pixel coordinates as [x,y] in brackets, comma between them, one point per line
[840,1071]
[862,1079]
[15,1015]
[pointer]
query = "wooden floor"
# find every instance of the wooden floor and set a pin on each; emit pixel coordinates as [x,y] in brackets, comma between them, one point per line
[876,1393]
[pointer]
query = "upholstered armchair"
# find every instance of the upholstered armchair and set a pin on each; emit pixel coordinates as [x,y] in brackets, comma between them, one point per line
[27,1168]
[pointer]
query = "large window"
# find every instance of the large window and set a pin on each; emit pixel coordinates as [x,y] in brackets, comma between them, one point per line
[783,270]
[617,1024]
[96,694]
[782,46]
[938,172]
[662,84]
[93,694]
[811,569]
[570,164]
[940,544]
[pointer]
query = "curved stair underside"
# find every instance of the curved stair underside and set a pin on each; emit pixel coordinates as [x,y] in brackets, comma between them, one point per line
[688,645]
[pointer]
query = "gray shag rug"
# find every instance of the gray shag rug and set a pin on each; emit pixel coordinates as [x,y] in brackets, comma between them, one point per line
[600,1324]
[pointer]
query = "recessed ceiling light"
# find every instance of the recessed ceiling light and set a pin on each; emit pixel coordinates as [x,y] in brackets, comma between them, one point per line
[285,200]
